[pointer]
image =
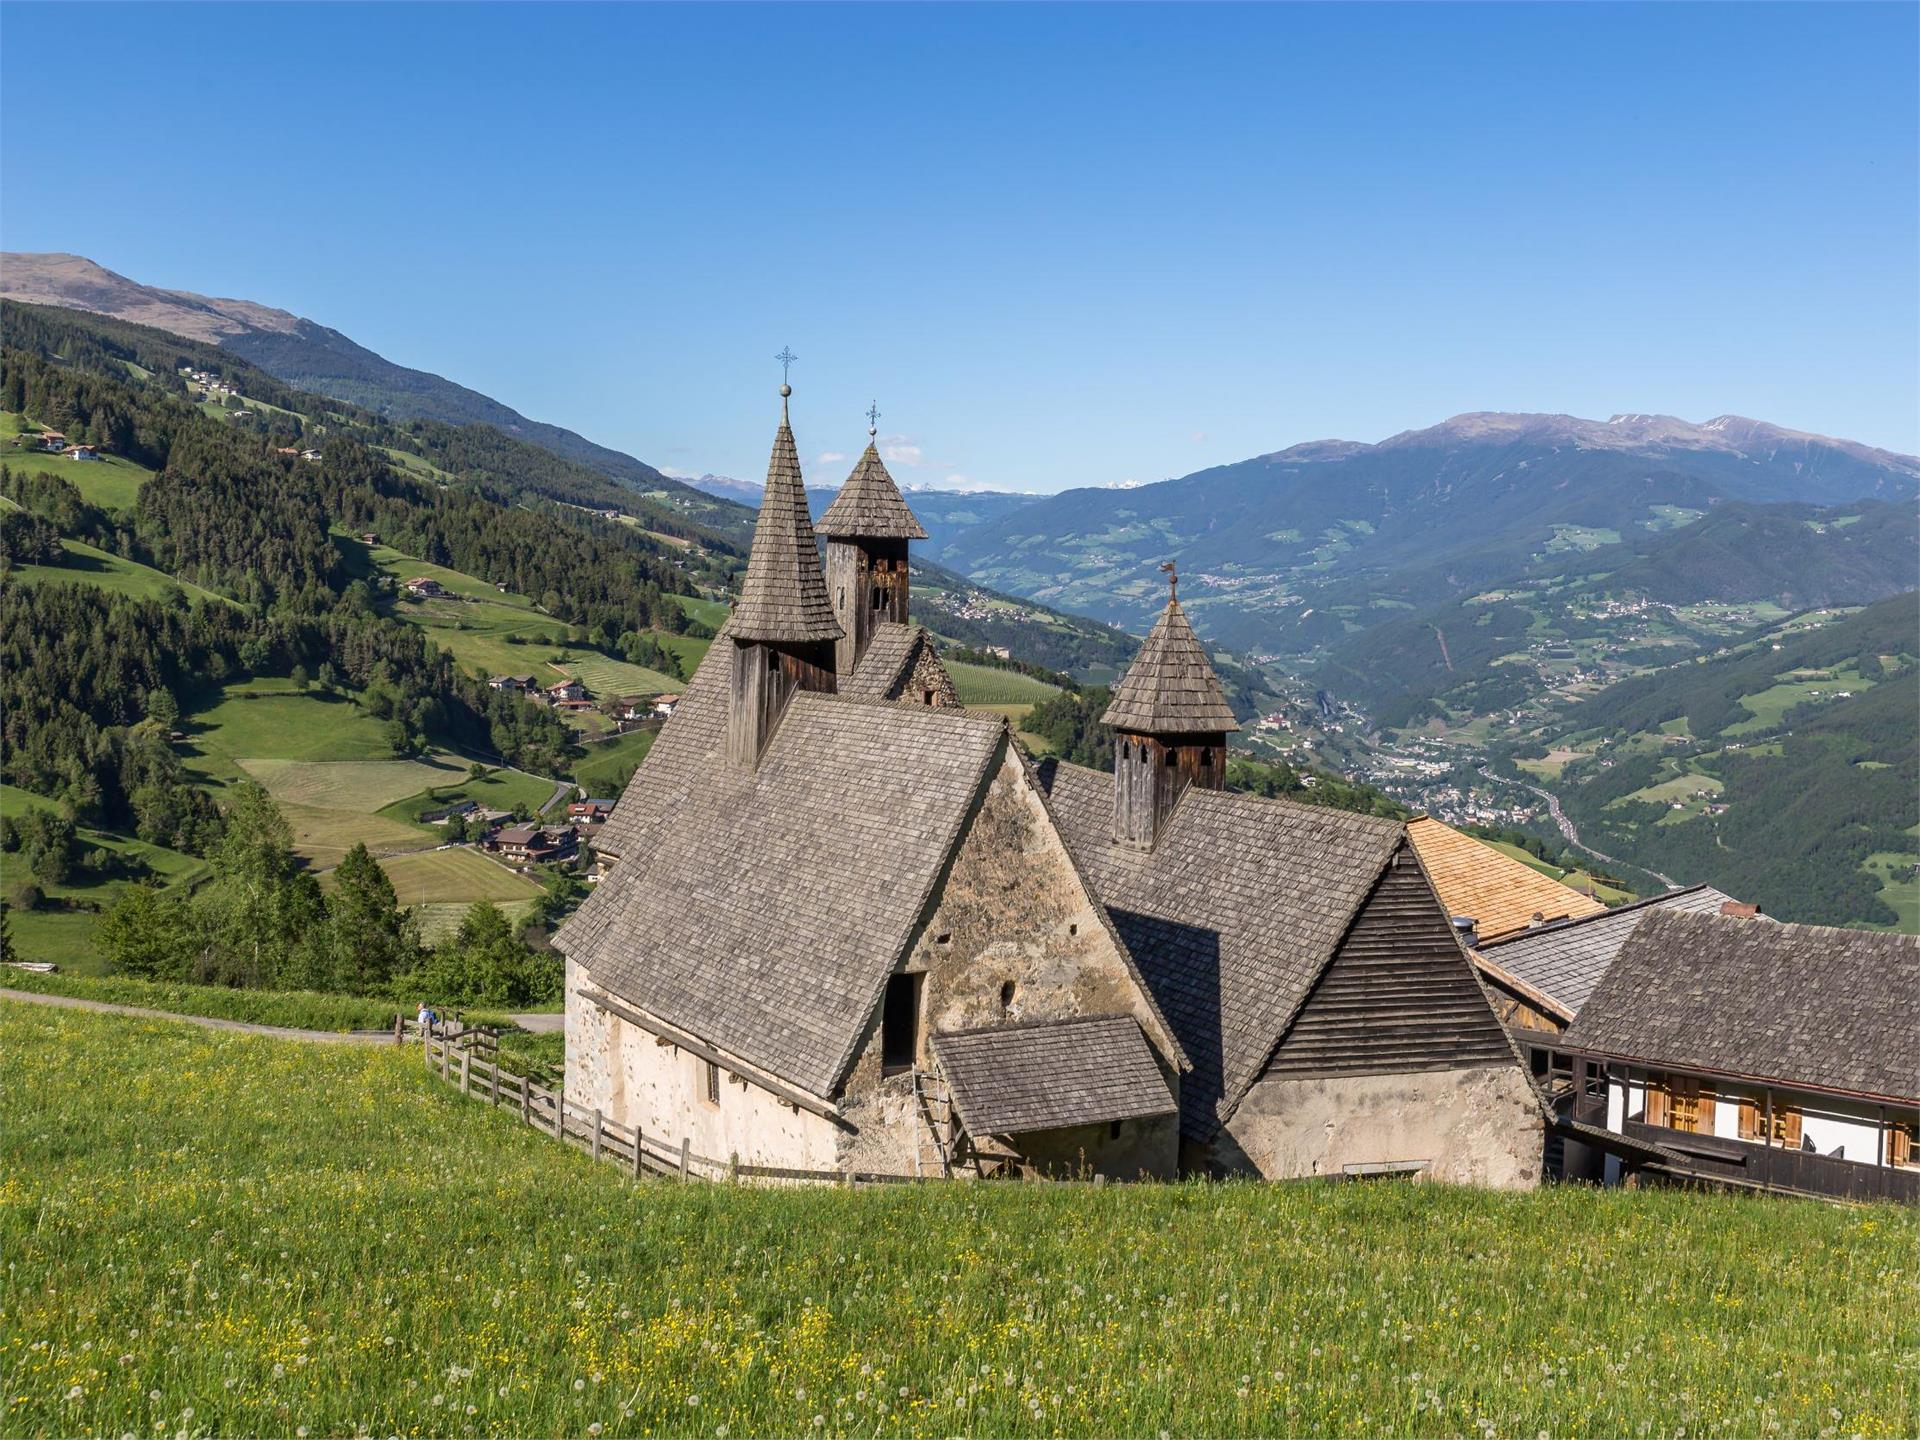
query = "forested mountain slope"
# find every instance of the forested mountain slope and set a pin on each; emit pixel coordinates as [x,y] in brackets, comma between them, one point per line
[312,357]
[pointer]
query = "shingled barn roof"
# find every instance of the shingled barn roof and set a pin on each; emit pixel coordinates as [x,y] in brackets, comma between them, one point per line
[889,659]
[743,909]
[1565,960]
[1502,895]
[870,505]
[1048,1075]
[1796,1005]
[784,596]
[1231,916]
[1170,689]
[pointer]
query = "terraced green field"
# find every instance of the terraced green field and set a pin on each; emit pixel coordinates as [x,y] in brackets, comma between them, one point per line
[230,1235]
[604,676]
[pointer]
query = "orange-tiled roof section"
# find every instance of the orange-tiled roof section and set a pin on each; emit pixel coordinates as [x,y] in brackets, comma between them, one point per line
[1502,895]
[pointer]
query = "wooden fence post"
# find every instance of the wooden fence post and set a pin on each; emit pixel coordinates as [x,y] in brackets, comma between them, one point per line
[685,1146]
[636,1150]
[560,1113]
[526,1101]
[399,1029]
[466,1063]
[495,1067]
[596,1132]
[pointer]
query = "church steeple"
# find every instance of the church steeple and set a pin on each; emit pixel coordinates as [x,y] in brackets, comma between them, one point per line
[868,527]
[1170,720]
[782,629]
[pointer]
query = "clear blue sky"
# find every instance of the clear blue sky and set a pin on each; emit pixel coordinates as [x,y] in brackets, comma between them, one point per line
[1062,246]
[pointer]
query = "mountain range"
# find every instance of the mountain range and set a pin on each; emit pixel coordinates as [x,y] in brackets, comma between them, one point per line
[302,353]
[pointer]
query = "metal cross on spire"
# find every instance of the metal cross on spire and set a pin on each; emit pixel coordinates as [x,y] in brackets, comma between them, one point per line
[873,419]
[786,357]
[1173,580]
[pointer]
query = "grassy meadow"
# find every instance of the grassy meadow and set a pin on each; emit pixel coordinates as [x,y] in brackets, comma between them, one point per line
[990,685]
[609,764]
[218,1234]
[87,565]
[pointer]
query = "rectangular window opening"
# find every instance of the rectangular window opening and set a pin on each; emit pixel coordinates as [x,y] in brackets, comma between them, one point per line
[900,1024]
[713,1081]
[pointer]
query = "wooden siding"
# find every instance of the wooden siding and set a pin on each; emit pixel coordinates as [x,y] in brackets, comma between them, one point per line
[1150,775]
[867,581]
[763,680]
[1398,995]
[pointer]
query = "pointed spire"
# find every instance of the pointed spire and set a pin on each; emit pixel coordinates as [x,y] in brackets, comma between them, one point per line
[870,506]
[1170,689]
[784,597]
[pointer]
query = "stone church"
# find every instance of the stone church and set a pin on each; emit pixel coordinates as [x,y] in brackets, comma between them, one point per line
[850,927]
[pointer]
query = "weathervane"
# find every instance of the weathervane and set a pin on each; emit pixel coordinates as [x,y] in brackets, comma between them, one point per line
[1173,581]
[873,419]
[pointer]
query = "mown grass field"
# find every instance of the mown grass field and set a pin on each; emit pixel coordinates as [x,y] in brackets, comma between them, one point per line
[454,877]
[499,789]
[112,483]
[609,764]
[226,1235]
[87,565]
[1577,879]
[295,1009]
[988,685]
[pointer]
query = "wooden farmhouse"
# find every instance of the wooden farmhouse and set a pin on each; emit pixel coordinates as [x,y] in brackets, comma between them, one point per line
[851,929]
[1753,1054]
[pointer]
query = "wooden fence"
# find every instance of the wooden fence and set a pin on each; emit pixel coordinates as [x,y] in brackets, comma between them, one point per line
[470,1059]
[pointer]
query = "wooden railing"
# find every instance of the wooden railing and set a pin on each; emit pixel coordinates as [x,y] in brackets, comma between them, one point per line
[1765,1167]
[470,1060]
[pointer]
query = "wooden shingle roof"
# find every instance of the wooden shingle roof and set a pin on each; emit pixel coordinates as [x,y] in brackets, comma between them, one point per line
[1565,960]
[784,596]
[1231,916]
[887,663]
[870,505]
[1170,689]
[743,909]
[1048,1075]
[1794,1005]
[1502,895]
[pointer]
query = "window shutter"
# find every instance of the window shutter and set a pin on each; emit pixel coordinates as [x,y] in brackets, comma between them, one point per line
[1657,1109]
[1749,1120]
[1786,1124]
[1900,1138]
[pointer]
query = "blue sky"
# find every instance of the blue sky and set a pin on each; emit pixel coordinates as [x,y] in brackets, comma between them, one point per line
[1062,246]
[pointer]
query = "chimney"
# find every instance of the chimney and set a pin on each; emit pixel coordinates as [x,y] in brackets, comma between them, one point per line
[1734,910]
[1467,928]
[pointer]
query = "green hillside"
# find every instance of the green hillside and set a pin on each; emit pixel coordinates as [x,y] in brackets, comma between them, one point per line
[240,1236]
[1784,770]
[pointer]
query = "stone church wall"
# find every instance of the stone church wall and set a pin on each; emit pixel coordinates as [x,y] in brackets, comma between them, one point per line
[625,1072]
[1015,937]
[1479,1126]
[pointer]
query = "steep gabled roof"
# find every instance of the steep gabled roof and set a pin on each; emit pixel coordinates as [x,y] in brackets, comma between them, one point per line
[1502,895]
[784,596]
[1051,1074]
[1565,960]
[870,505]
[1170,689]
[1795,1005]
[744,909]
[888,665]
[1231,916]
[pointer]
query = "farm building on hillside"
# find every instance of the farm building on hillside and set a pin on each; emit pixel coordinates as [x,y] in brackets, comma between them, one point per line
[534,843]
[425,587]
[589,812]
[1749,1053]
[851,929]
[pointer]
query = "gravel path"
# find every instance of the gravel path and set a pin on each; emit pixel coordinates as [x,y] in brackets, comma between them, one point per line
[538,1024]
